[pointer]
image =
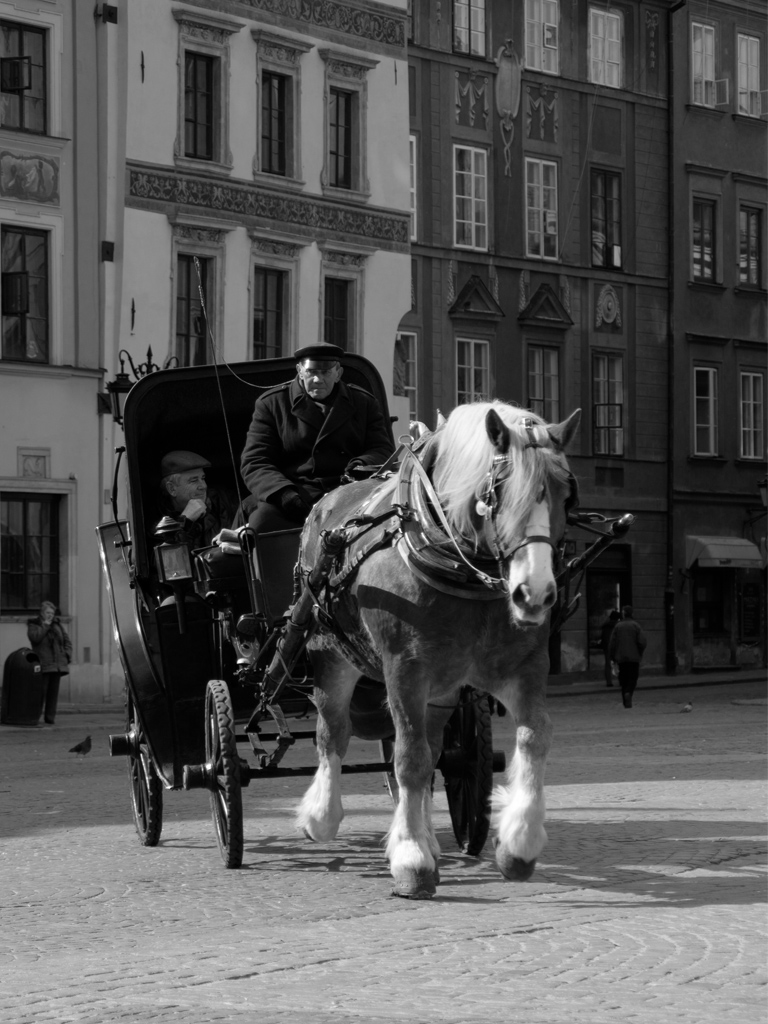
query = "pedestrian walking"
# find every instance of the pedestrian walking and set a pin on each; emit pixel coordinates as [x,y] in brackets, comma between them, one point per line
[51,643]
[605,637]
[626,648]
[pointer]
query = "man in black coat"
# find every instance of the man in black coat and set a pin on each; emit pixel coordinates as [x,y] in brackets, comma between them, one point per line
[305,436]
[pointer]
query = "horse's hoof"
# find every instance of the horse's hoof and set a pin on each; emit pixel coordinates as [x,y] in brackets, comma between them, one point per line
[515,869]
[417,885]
[307,834]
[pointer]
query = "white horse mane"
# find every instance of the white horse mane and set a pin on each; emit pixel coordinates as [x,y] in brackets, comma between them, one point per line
[464,459]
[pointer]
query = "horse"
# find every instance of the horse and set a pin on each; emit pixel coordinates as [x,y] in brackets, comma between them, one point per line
[500,494]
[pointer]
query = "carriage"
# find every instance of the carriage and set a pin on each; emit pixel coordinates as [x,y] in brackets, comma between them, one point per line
[227,647]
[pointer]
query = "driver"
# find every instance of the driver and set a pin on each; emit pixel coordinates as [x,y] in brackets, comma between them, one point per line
[304,436]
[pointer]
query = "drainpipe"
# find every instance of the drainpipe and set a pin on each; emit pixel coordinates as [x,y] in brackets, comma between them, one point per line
[669,590]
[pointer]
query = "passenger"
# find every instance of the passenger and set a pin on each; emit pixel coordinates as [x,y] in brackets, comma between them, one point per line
[305,436]
[184,495]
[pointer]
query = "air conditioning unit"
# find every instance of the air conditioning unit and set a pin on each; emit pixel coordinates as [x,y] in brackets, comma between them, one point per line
[722,92]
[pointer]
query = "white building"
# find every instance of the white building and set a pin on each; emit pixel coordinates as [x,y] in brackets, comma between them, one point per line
[257,147]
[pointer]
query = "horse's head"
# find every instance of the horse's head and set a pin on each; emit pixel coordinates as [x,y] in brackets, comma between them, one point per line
[504,482]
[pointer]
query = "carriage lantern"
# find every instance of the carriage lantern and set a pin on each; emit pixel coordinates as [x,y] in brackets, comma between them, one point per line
[174,564]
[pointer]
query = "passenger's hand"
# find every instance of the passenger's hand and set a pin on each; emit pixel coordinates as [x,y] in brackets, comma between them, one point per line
[194,508]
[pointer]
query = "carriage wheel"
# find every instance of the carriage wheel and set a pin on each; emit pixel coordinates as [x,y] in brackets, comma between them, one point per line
[221,756]
[467,766]
[146,787]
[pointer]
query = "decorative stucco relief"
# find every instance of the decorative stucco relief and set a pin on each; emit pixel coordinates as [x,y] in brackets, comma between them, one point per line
[29,176]
[165,187]
[377,26]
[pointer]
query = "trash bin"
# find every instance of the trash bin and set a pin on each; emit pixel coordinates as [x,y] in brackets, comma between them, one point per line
[23,689]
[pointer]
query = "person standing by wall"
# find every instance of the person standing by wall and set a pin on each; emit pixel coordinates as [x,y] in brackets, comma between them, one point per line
[605,638]
[626,648]
[51,643]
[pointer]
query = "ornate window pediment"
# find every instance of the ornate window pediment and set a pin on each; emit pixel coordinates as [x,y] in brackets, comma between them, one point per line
[545,309]
[476,302]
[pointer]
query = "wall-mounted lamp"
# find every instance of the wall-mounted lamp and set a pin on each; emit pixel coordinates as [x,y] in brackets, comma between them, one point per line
[114,401]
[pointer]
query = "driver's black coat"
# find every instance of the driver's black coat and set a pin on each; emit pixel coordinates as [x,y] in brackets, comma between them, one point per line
[291,443]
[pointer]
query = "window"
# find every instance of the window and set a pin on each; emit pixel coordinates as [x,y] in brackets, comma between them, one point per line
[703,240]
[22,77]
[412,155]
[703,92]
[469,27]
[541,209]
[472,375]
[29,551]
[191,334]
[405,371]
[750,243]
[25,294]
[751,415]
[605,47]
[749,76]
[606,219]
[346,113]
[273,123]
[200,70]
[269,288]
[541,44]
[337,317]
[544,382]
[608,404]
[203,62]
[470,224]
[705,439]
[340,142]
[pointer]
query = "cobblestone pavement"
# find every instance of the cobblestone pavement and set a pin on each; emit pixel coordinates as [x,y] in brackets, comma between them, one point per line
[648,903]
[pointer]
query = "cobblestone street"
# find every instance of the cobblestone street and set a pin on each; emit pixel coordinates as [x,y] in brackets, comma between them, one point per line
[648,903]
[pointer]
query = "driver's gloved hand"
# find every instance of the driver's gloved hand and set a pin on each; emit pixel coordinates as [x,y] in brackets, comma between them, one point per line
[294,506]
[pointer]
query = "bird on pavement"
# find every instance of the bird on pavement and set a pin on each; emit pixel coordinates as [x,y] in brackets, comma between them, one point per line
[686,707]
[81,748]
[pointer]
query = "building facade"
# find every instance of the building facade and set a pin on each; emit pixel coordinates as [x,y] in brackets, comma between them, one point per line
[719,165]
[212,181]
[50,438]
[540,256]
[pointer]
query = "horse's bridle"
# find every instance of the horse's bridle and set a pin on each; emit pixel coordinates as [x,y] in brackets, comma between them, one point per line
[487,506]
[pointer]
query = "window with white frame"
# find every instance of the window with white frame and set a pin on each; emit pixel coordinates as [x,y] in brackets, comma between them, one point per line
[203,61]
[607,404]
[469,27]
[405,380]
[541,35]
[544,382]
[605,47]
[29,551]
[703,91]
[472,371]
[346,115]
[23,77]
[749,76]
[412,152]
[270,292]
[705,433]
[278,75]
[751,417]
[541,209]
[25,294]
[470,219]
[193,274]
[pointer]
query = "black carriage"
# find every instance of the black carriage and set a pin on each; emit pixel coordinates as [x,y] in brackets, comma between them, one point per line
[198,630]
